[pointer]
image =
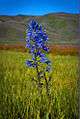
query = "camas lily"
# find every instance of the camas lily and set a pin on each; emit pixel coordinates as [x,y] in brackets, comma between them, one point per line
[36,43]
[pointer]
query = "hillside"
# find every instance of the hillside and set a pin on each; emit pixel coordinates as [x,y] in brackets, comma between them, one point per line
[61,28]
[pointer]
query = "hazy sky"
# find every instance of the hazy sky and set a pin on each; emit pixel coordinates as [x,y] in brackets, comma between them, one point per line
[38,7]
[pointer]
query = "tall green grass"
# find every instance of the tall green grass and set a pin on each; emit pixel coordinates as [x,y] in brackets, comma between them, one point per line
[19,95]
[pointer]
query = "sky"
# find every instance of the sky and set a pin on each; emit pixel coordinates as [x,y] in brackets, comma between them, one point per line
[38,7]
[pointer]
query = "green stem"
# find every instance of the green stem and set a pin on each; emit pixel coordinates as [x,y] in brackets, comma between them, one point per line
[47,85]
[38,75]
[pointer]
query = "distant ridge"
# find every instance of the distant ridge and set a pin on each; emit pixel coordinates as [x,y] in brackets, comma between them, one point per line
[62,28]
[52,13]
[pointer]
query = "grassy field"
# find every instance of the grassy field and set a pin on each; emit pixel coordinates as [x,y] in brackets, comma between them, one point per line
[18,92]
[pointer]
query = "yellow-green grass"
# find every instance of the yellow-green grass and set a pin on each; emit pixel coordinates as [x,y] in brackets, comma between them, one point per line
[18,92]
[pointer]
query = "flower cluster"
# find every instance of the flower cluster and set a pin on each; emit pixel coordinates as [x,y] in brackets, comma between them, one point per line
[36,43]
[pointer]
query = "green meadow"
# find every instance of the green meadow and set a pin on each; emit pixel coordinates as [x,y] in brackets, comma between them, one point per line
[19,97]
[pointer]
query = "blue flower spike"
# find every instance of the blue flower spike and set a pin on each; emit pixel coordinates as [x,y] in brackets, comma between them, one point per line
[36,43]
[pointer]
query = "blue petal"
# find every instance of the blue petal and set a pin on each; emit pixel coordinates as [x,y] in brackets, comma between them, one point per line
[29,63]
[28,45]
[43,59]
[45,48]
